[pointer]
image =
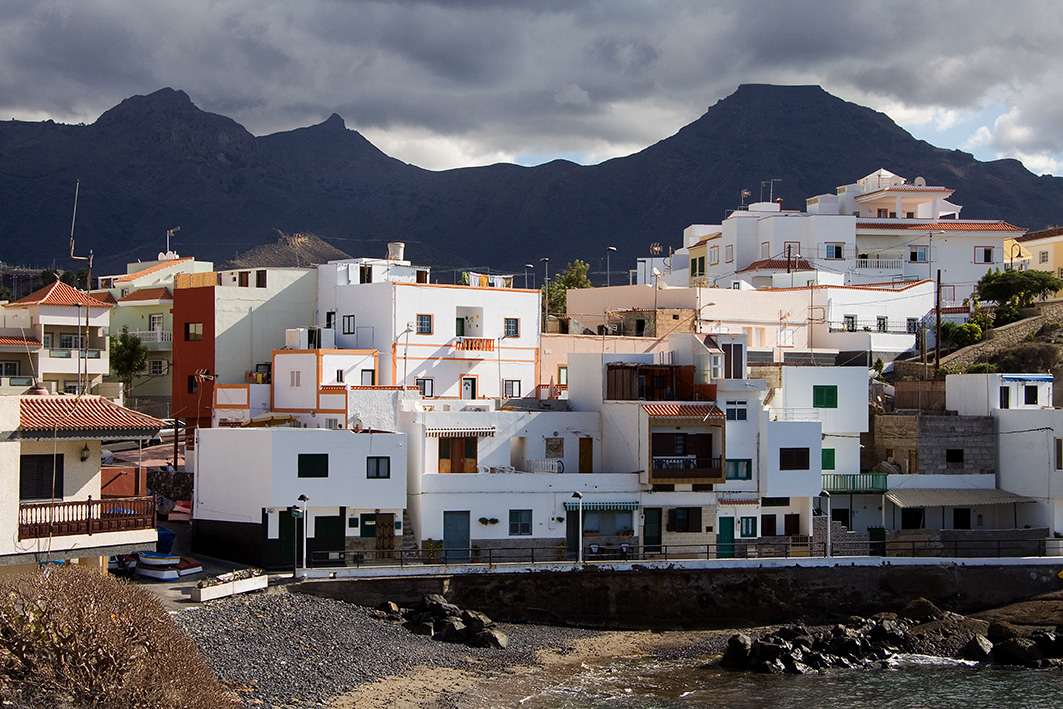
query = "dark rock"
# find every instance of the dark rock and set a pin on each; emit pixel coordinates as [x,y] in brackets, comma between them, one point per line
[1051,643]
[816,660]
[451,630]
[943,638]
[791,632]
[1001,631]
[444,610]
[433,598]
[921,610]
[1049,663]
[978,648]
[1018,651]
[773,667]
[770,651]
[491,637]
[884,616]
[475,621]
[796,667]
[888,631]
[421,628]
[736,656]
[389,607]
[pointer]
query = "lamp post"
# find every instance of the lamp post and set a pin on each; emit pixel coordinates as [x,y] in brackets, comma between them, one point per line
[526,267]
[304,499]
[608,252]
[579,496]
[546,291]
[825,498]
[1013,247]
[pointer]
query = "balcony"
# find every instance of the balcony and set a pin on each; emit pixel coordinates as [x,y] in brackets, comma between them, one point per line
[155,339]
[795,414]
[888,263]
[856,484]
[474,347]
[38,520]
[686,469]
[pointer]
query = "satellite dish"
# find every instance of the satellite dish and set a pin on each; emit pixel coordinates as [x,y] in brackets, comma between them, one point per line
[919,181]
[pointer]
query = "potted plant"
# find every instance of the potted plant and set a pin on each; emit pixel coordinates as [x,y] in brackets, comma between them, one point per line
[240,581]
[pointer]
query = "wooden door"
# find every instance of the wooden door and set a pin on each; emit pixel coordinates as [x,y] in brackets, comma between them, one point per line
[767,525]
[586,455]
[456,535]
[385,534]
[791,524]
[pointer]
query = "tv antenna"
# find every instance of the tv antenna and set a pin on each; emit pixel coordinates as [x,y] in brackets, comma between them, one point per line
[771,188]
[655,248]
[87,259]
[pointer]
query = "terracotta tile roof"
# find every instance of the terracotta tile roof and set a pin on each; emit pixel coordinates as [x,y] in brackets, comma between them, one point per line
[902,188]
[778,264]
[150,269]
[159,293]
[84,413]
[1040,234]
[59,293]
[19,342]
[684,411]
[889,285]
[707,238]
[942,226]
[103,296]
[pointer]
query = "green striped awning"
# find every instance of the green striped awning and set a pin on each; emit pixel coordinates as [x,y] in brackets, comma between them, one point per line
[599,506]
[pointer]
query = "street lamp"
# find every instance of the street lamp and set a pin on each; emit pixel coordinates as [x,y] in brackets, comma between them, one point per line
[1013,247]
[526,267]
[546,290]
[579,496]
[304,499]
[825,497]
[608,251]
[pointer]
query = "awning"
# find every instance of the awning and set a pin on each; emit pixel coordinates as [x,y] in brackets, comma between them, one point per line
[1025,377]
[918,497]
[599,506]
[460,432]
[269,419]
[728,501]
[683,411]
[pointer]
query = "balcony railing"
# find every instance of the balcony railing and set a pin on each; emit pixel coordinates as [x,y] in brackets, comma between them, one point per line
[880,264]
[38,520]
[795,414]
[67,353]
[154,336]
[683,467]
[474,344]
[871,483]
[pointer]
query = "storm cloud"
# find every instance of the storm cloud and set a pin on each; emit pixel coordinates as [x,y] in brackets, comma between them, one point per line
[448,84]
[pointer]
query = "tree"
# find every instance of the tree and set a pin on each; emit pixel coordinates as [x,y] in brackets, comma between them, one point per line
[574,276]
[128,357]
[1017,288]
[1027,357]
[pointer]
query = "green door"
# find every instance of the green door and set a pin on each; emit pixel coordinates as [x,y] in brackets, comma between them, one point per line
[725,540]
[651,530]
[291,539]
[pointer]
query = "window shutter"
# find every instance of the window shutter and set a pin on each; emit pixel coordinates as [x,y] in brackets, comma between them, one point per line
[673,516]
[694,517]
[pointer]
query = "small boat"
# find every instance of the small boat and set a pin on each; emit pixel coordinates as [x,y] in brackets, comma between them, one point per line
[154,558]
[163,573]
[188,566]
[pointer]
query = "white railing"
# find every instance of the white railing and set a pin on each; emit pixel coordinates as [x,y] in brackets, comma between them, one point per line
[156,336]
[545,465]
[882,264]
[795,414]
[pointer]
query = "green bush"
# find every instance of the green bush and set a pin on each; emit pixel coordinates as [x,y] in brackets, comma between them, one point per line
[966,335]
[1027,357]
[982,320]
[73,637]
[1005,314]
[982,368]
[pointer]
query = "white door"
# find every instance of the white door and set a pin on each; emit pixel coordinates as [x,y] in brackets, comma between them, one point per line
[468,387]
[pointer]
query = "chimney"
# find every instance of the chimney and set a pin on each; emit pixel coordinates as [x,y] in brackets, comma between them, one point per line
[396,250]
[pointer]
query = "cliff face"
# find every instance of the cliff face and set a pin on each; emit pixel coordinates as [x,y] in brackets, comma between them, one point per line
[155,162]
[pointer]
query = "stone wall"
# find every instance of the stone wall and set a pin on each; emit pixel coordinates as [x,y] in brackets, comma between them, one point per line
[1001,338]
[929,435]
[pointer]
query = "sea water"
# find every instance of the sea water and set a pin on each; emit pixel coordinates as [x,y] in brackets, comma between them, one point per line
[908,681]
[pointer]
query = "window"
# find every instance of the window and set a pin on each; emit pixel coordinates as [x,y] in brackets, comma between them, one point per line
[765,249]
[748,526]
[193,384]
[791,249]
[193,331]
[520,523]
[918,254]
[426,387]
[912,326]
[40,477]
[734,360]
[1030,395]
[729,253]
[296,378]
[793,459]
[834,251]
[424,324]
[378,467]
[785,336]
[606,523]
[1042,257]
[699,266]
[156,367]
[340,378]
[348,324]
[775,502]
[1005,398]
[684,520]
[736,410]
[512,327]
[714,258]
[260,279]
[512,389]
[71,342]
[883,213]
[881,323]
[368,526]
[827,456]
[155,322]
[983,254]
[954,458]
[849,322]
[825,397]
[1059,454]
[738,469]
[313,465]
[243,278]
[330,319]
[368,378]
[75,388]
[9,369]
[562,376]
[332,423]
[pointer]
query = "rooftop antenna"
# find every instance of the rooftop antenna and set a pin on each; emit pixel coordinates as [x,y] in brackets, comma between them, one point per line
[745,195]
[770,182]
[87,259]
[169,233]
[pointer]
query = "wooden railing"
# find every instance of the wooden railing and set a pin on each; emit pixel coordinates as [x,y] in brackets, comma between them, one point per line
[474,344]
[37,520]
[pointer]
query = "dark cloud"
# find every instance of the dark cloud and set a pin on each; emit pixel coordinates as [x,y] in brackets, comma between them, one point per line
[470,81]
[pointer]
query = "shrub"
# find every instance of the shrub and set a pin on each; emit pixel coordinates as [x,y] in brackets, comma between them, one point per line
[1005,314]
[982,368]
[982,320]
[1027,357]
[966,335]
[73,636]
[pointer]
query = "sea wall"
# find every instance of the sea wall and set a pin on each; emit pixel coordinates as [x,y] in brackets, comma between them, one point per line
[644,598]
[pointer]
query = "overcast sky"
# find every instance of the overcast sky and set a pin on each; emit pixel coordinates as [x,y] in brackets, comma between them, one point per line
[469,82]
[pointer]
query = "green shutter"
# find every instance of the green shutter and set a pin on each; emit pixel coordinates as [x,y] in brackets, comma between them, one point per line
[825,397]
[828,459]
